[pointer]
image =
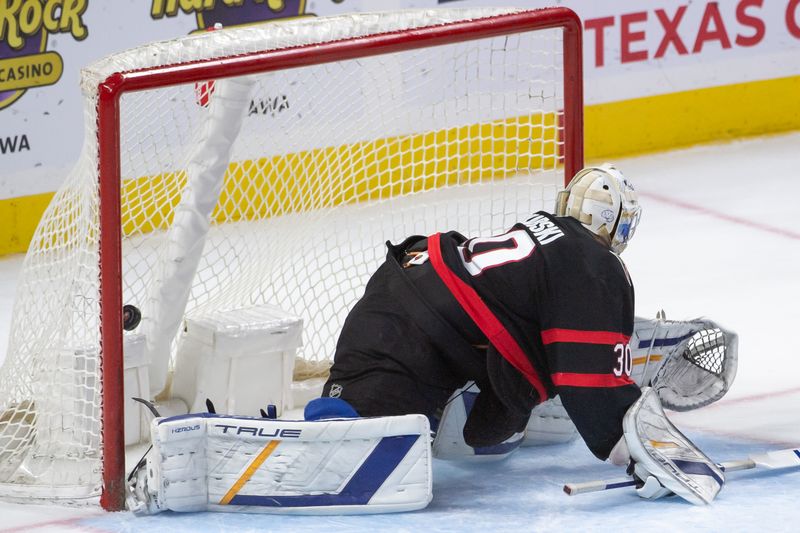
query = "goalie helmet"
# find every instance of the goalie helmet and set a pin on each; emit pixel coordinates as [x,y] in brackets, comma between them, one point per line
[604,202]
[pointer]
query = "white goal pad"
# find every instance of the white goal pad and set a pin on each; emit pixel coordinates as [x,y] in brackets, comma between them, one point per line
[241,464]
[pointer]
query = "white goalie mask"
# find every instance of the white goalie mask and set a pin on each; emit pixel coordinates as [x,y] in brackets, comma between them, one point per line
[604,201]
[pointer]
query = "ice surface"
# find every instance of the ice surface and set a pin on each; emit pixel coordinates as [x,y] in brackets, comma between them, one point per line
[718,238]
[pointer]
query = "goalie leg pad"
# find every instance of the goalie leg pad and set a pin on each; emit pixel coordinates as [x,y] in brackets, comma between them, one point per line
[449,443]
[662,452]
[332,466]
[549,424]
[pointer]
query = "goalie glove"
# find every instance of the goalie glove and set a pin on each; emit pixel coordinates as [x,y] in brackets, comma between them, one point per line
[664,460]
[690,363]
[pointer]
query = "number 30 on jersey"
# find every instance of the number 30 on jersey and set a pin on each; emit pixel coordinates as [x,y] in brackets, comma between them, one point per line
[624,361]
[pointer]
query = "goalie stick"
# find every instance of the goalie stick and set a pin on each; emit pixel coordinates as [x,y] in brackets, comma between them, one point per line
[774,460]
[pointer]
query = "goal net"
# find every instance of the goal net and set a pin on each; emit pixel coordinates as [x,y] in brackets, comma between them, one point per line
[267,164]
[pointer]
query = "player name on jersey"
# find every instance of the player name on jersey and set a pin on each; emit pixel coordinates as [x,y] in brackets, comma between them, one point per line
[543,229]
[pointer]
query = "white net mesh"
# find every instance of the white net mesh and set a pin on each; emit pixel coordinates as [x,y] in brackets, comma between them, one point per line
[306,173]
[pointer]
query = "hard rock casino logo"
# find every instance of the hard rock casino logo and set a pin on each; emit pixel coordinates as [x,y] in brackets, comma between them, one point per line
[25,62]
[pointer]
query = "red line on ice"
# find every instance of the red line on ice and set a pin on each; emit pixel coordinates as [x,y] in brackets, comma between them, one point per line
[754,398]
[722,216]
[68,522]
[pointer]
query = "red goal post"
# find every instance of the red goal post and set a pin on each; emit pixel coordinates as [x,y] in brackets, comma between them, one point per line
[110,93]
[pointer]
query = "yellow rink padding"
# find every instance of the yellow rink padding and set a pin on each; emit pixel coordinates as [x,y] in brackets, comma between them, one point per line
[359,172]
[18,220]
[611,130]
[687,118]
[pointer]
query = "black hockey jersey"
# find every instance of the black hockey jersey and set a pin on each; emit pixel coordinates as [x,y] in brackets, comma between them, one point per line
[557,307]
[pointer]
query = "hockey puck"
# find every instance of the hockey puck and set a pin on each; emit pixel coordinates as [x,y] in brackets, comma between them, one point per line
[131,316]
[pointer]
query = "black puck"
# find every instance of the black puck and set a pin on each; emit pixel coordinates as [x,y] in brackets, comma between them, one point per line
[131,316]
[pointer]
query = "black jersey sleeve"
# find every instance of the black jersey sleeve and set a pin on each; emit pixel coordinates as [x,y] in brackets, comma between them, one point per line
[586,313]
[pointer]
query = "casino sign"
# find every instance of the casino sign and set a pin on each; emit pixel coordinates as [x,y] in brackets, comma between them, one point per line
[25,25]
[229,12]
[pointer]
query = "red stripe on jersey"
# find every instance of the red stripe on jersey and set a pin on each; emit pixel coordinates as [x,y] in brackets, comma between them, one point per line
[483,317]
[566,379]
[549,336]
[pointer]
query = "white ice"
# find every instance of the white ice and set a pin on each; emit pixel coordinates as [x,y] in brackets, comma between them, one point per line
[718,238]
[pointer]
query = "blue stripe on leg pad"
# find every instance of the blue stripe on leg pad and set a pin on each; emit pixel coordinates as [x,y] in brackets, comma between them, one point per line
[695,467]
[380,463]
[660,343]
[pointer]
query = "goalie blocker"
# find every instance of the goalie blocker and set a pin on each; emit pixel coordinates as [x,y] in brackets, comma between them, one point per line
[206,462]
[662,459]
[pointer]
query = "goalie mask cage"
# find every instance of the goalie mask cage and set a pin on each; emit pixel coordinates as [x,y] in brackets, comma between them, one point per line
[267,164]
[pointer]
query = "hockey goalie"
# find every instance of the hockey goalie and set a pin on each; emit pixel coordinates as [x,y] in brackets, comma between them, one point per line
[492,343]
